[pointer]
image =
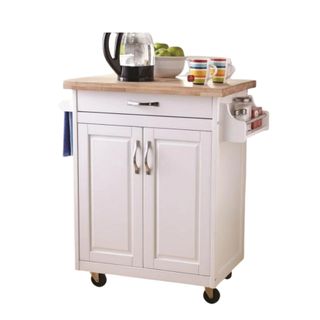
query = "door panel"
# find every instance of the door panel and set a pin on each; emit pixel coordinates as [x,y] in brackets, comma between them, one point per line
[169,175]
[110,195]
[177,201]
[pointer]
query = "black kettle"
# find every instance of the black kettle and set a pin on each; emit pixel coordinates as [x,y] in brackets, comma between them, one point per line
[133,58]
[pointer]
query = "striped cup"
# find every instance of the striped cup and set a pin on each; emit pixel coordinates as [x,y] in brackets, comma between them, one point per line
[221,69]
[198,70]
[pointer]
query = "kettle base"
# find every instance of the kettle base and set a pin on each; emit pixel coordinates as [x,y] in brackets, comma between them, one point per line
[136,74]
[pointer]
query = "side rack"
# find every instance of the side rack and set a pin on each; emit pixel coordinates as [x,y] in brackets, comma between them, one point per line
[235,130]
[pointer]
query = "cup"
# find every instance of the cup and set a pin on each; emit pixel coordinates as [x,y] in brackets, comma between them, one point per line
[220,69]
[199,71]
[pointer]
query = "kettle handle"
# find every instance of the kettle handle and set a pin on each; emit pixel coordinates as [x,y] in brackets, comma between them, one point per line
[114,62]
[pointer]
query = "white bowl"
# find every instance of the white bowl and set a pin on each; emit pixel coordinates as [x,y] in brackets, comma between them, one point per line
[168,67]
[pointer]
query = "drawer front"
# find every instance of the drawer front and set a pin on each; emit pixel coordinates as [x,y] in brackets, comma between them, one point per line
[145,121]
[132,103]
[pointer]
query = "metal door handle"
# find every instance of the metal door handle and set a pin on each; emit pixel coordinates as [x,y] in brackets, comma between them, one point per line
[148,169]
[137,104]
[137,146]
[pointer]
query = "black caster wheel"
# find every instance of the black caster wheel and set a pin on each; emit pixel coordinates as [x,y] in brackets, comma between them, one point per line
[102,280]
[214,299]
[229,276]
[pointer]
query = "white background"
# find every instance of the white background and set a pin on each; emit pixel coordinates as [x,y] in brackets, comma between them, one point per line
[44,42]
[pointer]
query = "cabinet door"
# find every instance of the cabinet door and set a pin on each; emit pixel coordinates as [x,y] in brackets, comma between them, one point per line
[177,200]
[110,195]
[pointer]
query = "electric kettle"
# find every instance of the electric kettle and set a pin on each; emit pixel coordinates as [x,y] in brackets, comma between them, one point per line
[133,58]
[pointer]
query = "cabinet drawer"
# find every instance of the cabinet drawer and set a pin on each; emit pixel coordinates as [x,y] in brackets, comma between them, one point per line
[128,103]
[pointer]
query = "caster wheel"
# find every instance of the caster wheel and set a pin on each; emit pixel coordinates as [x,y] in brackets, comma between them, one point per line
[214,299]
[102,280]
[229,276]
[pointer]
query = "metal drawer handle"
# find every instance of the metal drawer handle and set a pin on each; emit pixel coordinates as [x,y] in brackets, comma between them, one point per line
[144,104]
[137,146]
[148,169]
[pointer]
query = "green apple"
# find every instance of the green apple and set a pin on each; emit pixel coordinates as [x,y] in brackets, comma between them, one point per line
[163,53]
[160,45]
[157,52]
[176,51]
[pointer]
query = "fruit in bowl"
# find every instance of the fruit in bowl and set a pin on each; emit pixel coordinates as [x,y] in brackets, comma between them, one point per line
[163,50]
[169,61]
[176,51]
[158,46]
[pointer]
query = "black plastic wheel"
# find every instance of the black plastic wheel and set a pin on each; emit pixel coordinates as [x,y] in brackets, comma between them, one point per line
[216,296]
[229,276]
[102,280]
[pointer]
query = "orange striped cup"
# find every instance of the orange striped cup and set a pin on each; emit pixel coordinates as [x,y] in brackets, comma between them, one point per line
[220,69]
[198,70]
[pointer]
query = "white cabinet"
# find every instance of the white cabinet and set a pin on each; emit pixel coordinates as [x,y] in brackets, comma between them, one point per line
[160,187]
[110,195]
[164,200]
[177,200]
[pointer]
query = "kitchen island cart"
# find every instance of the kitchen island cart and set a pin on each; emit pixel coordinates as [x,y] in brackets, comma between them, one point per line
[160,172]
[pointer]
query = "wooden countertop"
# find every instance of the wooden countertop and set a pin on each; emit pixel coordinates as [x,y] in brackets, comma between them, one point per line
[160,86]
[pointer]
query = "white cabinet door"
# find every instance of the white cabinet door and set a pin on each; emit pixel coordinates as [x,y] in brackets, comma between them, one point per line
[177,200]
[110,194]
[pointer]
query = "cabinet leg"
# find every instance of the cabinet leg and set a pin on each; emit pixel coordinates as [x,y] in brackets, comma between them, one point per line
[95,276]
[209,292]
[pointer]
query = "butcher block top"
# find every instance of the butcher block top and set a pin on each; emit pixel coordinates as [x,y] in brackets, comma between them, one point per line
[160,86]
